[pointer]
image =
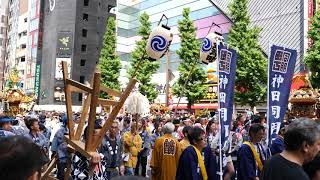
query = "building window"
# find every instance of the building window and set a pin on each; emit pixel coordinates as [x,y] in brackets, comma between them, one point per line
[3,18]
[25,19]
[80,97]
[86,2]
[83,48]
[2,30]
[85,17]
[23,46]
[82,62]
[82,79]
[84,32]
[23,59]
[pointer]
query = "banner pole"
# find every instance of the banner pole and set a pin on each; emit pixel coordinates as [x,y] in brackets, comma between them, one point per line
[268,110]
[219,112]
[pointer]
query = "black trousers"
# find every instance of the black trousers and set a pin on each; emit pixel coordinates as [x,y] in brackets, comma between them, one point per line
[143,162]
[61,166]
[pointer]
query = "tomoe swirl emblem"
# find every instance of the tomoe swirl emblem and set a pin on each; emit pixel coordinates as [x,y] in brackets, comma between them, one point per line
[206,45]
[158,43]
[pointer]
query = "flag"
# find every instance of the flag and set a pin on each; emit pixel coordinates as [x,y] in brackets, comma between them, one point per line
[227,73]
[280,71]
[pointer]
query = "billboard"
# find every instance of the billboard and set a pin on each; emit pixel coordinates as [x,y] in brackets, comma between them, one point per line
[58,94]
[64,44]
[58,69]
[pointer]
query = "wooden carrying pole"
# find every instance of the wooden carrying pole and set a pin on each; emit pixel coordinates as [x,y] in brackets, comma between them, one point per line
[92,101]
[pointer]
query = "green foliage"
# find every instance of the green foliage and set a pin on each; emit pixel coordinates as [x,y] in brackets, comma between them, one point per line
[189,54]
[251,76]
[147,67]
[109,61]
[312,59]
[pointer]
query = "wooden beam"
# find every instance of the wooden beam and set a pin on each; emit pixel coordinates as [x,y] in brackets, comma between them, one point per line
[67,92]
[78,146]
[51,178]
[110,92]
[83,117]
[77,90]
[115,112]
[92,114]
[51,165]
[79,85]
[106,102]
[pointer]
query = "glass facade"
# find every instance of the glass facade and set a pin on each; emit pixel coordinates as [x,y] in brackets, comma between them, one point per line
[203,13]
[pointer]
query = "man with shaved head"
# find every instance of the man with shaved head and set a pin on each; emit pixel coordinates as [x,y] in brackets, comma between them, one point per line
[165,156]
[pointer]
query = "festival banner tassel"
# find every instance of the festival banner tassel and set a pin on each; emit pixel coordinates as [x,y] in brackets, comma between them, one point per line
[281,66]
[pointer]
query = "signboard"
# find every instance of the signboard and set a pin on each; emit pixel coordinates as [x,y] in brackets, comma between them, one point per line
[58,94]
[280,71]
[37,80]
[59,72]
[64,44]
[212,93]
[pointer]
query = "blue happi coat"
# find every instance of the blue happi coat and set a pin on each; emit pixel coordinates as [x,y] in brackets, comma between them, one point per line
[247,167]
[277,146]
[189,168]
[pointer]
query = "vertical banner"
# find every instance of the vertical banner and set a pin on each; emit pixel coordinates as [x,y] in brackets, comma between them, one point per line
[227,72]
[280,70]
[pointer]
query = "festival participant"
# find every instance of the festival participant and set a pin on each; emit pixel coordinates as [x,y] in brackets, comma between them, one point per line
[302,144]
[59,148]
[191,163]
[204,122]
[211,131]
[18,126]
[132,146]
[184,143]
[277,145]
[20,159]
[165,156]
[175,134]
[81,167]
[251,155]
[35,135]
[156,133]
[239,124]
[5,126]
[143,154]
[112,148]
[126,125]
[227,164]
[313,168]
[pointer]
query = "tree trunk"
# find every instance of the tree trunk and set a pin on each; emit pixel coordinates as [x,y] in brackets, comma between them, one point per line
[189,107]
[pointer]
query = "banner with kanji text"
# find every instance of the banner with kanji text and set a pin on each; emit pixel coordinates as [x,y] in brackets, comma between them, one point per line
[227,73]
[280,71]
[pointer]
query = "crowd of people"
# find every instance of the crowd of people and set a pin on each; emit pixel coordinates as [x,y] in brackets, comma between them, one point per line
[161,147]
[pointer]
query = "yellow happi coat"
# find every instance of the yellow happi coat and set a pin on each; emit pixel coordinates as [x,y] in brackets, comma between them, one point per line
[133,146]
[165,158]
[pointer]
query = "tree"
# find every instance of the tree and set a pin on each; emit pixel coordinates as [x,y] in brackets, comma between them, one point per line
[147,67]
[251,75]
[109,61]
[190,70]
[312,59]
